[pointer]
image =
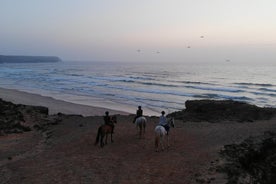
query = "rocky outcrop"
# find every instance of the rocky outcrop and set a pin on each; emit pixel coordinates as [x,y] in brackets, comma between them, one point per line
[28,59]
[252,161]
[21,118]
[225,110]
[11,118]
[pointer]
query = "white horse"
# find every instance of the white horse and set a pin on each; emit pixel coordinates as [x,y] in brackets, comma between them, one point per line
[141,124]
[160,133]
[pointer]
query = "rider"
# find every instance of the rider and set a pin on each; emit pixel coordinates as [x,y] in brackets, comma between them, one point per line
[108,121]
[139,113]
[163,121]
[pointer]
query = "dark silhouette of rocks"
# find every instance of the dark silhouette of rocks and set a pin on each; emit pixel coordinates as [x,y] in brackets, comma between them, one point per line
[225,110]
[252,161]
[28,59]
[21,118]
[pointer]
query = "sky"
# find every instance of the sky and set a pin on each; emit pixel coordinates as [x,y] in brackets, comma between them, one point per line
[144,30]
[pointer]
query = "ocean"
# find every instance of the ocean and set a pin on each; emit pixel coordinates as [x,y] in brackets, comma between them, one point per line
[154,86]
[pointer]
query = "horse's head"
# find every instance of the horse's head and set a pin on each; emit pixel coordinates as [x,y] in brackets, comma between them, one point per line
[171,122]
[114,119]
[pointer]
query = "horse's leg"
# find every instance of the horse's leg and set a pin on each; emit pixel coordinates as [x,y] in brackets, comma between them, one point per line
[111,137]
[102,137]
[156,142]
[144,130]
[140,132]
[106,138]
[162,142]
[137,127]
[168,141]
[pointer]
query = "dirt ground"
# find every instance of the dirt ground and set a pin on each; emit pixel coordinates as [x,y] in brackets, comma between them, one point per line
[65,153]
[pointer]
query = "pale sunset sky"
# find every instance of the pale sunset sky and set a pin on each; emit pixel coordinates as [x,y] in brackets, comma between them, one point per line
[140,30]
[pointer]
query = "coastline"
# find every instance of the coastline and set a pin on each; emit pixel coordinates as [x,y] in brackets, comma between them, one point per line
[54,105]
[72,157]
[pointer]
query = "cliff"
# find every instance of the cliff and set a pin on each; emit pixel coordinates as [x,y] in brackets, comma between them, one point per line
[28,59]
[222,110]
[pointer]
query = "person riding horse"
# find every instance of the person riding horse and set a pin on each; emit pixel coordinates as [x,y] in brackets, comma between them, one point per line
[139,113]
[108,121]
[163,121]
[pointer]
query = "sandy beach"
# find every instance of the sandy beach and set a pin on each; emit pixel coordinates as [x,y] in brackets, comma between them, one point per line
[60,148]
[55,106]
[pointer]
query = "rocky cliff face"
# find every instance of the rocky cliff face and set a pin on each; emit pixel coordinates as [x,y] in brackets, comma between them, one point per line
[28,59]
[252,161]
[18,118]
[224,110]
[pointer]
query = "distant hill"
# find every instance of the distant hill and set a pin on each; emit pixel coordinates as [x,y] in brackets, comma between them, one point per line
[28,59]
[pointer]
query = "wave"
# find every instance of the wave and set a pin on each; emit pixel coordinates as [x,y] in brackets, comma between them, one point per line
[157,91]
[220,96]
[192,82]
[267,89]
[254,84]
[14,70]
[215,89]
[264,94]
[147,100]
[143,78]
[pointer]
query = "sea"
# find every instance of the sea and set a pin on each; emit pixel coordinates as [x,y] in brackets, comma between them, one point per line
[155,86]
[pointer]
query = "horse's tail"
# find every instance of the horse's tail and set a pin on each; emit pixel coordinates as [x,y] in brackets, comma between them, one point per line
[98,135]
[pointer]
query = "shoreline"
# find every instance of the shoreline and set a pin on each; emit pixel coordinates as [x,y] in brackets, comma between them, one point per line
[54,105]
[68,142]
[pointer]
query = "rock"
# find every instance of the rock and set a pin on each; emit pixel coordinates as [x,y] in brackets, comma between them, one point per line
[18,118]
[254,159]
[224,110]
[39,109]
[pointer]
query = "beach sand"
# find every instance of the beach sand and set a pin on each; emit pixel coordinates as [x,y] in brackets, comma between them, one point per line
[55,106]
[65,153]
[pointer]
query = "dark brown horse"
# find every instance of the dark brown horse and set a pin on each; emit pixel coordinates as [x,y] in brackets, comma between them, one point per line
[104,130]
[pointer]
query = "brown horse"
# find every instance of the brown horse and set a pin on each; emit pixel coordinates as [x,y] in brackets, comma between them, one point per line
[104,130]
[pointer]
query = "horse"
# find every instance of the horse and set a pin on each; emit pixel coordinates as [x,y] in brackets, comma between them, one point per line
[160,133]
[104,130]
[141,124]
